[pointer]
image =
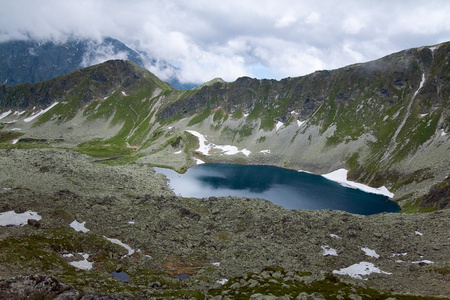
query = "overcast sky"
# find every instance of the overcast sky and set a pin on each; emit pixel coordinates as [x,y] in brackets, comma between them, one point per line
[233,38]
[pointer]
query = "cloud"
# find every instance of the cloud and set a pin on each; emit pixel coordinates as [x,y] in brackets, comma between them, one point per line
[312,18]
[233,38]
[97,53]
[285,21]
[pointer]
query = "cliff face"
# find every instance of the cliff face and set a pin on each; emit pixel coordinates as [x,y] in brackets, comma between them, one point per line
[385,82]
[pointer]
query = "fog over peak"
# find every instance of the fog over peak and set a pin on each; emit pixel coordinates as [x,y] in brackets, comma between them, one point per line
[229,39]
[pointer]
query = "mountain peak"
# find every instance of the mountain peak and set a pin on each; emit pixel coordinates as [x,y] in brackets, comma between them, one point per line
[87,84]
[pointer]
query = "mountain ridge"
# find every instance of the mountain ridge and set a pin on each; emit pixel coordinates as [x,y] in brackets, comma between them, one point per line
[386,121]
[81,205]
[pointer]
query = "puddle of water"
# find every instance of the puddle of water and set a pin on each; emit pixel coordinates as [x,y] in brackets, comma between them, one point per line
[121,276]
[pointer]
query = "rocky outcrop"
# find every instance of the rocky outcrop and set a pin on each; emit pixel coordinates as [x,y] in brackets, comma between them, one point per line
[45,287]
[438,196]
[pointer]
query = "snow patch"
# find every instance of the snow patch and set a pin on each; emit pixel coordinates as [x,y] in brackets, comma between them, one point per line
[335,236]
[123,93]
[178,152]
[222,281]
[41,112]
[117,242]
[198,161]
[418,233]
[399,254]
[362,269]
[246,115]
[328,251]
[205,147]
[246,152]
[303,171]
[217,264]
[420,85]
[15,141]
[109,95]
[443,133]
[278,125]
[79,226]
[13,218]
[5,114]
[300,123]
[340,176]
[423,261]
[82,264]
[370,252]
[131,222]
[265,151]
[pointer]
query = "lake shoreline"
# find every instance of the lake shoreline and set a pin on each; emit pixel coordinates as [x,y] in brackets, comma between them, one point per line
[281,186]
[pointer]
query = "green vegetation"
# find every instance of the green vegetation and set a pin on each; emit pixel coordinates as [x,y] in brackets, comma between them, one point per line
[200,117]
[272,281]
[413,207]
[261,139]
[219,115]
[8,136]
[245,131]
[102,149]
[238,114]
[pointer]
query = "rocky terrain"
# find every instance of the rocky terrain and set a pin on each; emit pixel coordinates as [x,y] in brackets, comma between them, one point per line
[258,247]
[83,215]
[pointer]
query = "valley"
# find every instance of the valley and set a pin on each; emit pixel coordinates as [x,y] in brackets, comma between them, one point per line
[79,150]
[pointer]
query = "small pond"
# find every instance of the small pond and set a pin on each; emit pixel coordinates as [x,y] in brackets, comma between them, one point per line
[284,187]
[121,276]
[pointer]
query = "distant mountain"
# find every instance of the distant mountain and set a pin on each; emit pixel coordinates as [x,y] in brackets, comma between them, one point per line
[30,61]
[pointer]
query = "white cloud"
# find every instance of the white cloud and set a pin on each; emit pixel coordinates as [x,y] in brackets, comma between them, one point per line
[234,38]
[285,21]
[312,18]
[99,53]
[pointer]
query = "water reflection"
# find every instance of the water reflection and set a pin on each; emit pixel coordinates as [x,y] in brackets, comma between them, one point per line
[288,188]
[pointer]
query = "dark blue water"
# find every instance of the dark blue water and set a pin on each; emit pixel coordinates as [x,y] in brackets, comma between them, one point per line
[288,188]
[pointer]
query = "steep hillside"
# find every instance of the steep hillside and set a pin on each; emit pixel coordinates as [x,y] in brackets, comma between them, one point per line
[385,121]
[31,61]
[83,214]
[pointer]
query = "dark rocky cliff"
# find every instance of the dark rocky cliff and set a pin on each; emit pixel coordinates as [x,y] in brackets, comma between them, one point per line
[385,81]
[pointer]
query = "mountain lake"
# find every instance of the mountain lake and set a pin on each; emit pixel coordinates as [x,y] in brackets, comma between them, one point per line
[288,188]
